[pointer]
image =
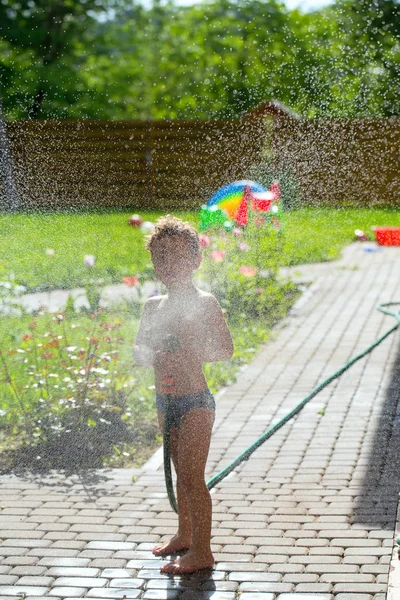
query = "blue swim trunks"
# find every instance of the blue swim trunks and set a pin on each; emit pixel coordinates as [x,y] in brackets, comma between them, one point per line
[181,405]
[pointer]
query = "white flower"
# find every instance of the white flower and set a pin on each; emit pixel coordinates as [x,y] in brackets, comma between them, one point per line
[50,252]
[89,260]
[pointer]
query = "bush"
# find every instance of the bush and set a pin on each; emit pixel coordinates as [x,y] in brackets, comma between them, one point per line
[67,387]
[241,269]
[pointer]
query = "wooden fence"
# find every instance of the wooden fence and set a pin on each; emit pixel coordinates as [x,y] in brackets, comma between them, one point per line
[179,164]
[129,164]
[341,161]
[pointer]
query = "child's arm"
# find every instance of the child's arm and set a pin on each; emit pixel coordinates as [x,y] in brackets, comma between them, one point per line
[143,353]
[218,340]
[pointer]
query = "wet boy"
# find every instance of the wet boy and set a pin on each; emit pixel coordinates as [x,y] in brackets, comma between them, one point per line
[195,318]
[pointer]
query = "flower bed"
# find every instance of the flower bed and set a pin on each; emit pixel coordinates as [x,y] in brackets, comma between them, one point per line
[72,397]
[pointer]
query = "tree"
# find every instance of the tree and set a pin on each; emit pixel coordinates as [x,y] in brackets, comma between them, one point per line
[47,30]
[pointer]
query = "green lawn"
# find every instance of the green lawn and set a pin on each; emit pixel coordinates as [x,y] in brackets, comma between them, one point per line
[312,235]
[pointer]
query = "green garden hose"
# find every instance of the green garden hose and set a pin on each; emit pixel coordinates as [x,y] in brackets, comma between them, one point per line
[249,451]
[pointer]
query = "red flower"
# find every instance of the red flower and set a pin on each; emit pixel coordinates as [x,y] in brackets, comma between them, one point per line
[130,281]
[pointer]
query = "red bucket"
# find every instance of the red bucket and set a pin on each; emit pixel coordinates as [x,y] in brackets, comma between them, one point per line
[387,236]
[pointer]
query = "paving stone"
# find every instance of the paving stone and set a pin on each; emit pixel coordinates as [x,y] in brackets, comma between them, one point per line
[28,570]
[286,568]
[12,551]
[301,596]
[68,544]
[23,590]
[257,596]
[96,554]
[300,578]
[115,563]
[126,582]
[113,573]
[110,545]
[240,567]
[220,586]
[8,579]
[255,576]
[313,588]
[276,587]
[34,580]
[56,561]
[27,543]
[20,560]
[53,552]
[82,582]
[355,597]
[162,594]
[368,588]
[73,572]
[67,592]
[204,595]
[101,593]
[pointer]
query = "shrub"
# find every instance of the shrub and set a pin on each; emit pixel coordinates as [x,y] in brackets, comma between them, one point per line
[67,387]
[241,269]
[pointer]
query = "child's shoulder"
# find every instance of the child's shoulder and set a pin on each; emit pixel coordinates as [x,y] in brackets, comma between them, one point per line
[207,298]
[152,302]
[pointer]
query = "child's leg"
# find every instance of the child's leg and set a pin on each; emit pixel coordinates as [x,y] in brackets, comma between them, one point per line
[182,540]
[194,444]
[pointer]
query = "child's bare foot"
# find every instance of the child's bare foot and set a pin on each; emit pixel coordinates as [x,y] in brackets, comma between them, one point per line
[175,544]
[190,563]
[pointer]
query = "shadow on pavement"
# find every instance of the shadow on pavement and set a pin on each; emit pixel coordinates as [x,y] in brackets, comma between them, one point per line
[379,495]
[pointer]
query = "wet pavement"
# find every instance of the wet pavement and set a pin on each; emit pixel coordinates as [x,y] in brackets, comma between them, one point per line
[311,515]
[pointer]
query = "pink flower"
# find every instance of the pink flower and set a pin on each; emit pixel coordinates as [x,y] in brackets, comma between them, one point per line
[204,241]
[130,281]
[244,247]
[236,232]
[218,255]
[247,271]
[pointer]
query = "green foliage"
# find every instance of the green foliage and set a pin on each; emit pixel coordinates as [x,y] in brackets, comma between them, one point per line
[211,59]
[241,270]
[47,33]
[69,385]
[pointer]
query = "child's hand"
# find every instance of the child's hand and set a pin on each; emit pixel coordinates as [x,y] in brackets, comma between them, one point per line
[169,362]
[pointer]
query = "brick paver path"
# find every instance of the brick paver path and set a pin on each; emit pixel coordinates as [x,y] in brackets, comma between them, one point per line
[311,515]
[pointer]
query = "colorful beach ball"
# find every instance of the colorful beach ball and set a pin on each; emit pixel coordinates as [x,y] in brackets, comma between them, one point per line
[231,203]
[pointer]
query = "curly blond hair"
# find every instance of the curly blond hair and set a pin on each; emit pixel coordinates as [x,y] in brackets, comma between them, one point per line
[170,226]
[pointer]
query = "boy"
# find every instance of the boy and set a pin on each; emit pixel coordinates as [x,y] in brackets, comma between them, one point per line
[195,319]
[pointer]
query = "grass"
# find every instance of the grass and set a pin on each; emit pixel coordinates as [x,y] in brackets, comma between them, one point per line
[312,235]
